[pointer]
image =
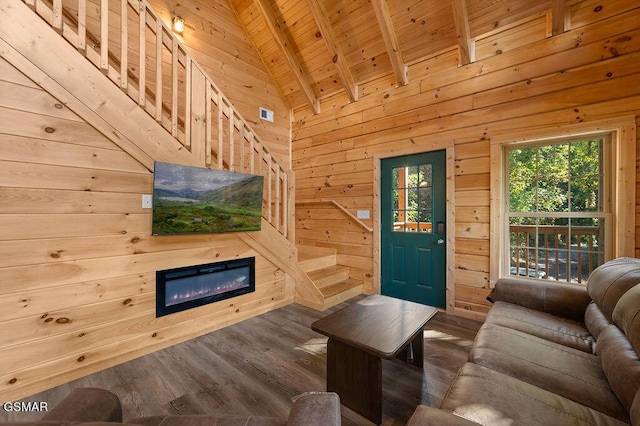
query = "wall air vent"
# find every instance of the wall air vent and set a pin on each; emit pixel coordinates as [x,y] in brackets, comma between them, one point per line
[266,114]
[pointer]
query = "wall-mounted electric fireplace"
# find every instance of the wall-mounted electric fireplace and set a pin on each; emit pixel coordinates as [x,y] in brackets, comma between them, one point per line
[191,286]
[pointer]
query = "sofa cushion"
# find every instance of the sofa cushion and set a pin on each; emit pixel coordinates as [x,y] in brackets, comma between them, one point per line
[425,415]
[609,281]
[618,348]
[594,320]
[315,408]
[635,410]
[65,423]
[87,405]
[546,326]
[309,409]
[620,364]
[566,371]
[626,316]
[553,297]
[209,420]
[491,398]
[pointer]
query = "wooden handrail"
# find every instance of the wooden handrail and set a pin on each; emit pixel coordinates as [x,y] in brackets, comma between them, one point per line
[340,207]
[172,88]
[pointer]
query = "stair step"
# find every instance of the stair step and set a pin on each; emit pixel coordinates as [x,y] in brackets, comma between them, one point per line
[341,291]
[316,250]
[312,251]
[337,288]
[313,258]
[316,263]
[329,276]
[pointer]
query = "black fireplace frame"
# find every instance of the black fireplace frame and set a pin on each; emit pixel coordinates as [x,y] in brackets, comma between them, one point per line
[166,276]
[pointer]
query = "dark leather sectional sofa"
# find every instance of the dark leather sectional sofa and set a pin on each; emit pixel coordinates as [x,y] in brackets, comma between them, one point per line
[99,407]
[552,354]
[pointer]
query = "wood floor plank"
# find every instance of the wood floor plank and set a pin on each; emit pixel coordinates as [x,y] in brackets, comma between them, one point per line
[258,365]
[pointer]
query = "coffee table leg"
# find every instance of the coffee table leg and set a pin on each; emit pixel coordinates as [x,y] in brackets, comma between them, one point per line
[413,353]
[418,350]
[356,376]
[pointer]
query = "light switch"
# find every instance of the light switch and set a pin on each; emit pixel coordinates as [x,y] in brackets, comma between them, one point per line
[147,201]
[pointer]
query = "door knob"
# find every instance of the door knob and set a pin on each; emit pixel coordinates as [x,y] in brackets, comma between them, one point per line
[440,241]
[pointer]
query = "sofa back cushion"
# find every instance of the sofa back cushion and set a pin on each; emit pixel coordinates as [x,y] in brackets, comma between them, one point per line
[609,281]
[620,364]
[618,347]
[635,410]
[626,315]
[594,320]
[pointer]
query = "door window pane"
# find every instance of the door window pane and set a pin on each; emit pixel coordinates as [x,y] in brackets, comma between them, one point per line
[412,198]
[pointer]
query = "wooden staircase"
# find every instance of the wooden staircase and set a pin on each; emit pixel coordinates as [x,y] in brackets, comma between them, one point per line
[192,123]
[332,280]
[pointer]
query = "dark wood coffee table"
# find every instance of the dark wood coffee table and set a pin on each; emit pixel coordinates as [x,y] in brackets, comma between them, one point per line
[361,335]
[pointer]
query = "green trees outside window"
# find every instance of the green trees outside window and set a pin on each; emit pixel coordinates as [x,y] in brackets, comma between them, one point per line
[557,208]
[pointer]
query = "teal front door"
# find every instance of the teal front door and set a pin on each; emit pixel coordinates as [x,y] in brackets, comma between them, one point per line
[413,240]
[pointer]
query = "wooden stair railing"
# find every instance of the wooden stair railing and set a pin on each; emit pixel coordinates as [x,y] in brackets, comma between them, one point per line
[339,207]
[150,65]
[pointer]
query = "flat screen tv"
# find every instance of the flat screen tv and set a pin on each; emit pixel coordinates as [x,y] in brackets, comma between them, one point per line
[191,200]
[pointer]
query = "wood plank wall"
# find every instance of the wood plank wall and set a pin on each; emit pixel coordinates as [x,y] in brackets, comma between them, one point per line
[77,261]
[522,79]
[220,45]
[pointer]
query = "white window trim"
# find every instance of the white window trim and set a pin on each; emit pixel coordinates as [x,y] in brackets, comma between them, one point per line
[623,148]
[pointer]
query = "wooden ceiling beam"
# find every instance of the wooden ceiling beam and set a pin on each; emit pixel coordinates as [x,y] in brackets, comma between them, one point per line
[330,40]
[466,44]
[391,41]
[559,17]
[284,44]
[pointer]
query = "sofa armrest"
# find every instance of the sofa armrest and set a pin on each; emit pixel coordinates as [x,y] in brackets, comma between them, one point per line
[315,408]
[560,299]
[425,415]
[87,405]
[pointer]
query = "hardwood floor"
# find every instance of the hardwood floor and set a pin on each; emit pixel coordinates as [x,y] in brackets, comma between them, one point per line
[257,366]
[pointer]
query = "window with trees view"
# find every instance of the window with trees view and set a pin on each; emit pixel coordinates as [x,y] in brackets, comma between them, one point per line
[558,208]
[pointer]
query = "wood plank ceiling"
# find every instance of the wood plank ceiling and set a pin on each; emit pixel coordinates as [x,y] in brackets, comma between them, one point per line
[317,48]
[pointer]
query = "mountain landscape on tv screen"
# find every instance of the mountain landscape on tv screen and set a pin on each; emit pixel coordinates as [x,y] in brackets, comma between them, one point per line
[190,200]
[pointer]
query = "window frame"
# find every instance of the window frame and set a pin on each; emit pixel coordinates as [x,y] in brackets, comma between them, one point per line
[622,164]
[604,199]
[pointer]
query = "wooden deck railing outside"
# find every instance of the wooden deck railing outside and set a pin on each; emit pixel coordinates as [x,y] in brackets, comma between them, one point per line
[137,51]
[412,226]
[560,253]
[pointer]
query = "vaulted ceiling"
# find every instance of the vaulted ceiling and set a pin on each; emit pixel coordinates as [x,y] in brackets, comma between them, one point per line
[317,48]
